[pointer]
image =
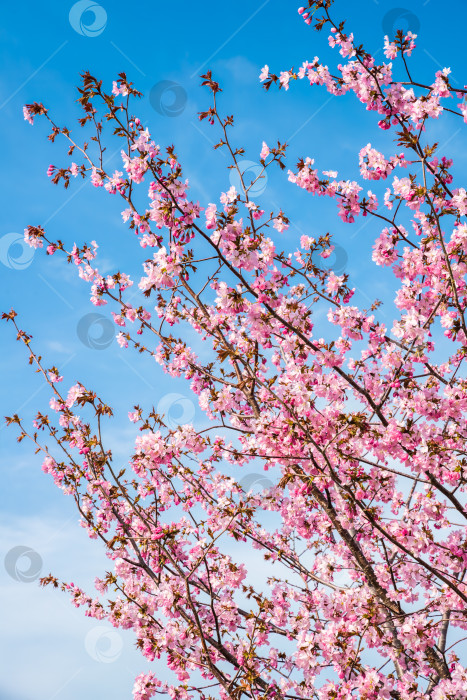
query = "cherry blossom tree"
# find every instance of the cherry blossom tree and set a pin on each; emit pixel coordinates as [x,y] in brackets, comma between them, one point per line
[361,425]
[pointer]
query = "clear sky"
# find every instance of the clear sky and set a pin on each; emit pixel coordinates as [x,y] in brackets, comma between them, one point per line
[48,650]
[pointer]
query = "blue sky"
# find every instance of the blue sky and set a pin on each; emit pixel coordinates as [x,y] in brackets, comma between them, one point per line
[49,650]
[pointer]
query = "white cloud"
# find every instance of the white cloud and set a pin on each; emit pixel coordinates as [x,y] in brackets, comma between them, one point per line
[46,641]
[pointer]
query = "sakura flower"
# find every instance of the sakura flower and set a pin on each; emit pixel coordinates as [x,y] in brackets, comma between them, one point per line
[211,220]
[229,197]
[27,115]
[279,224]
[284,79]
[263,75]
[264,151]
[121,340]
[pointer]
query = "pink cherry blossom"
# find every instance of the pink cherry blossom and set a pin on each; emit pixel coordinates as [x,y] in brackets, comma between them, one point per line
[27,115]
[263,75]
[300,532]
[264,151]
